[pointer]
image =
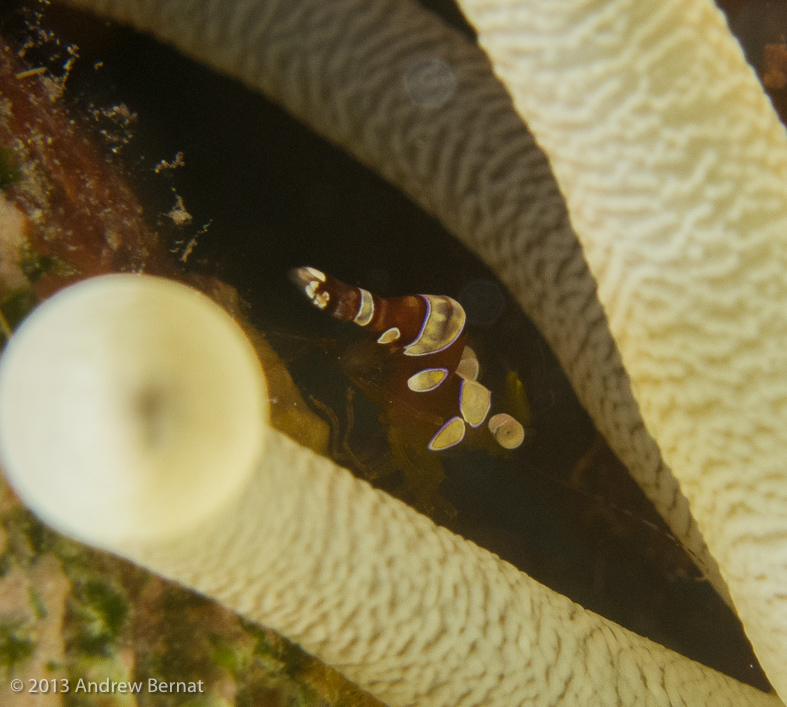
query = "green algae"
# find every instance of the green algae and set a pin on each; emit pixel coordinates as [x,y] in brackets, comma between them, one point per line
[35,265]
[6,563]
[14,307]
[291,656]
[108,603]
[16,644]
[9,171]
[100,612]
[37,604]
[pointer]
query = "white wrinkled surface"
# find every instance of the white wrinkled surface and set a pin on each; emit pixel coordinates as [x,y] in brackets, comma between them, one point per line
[409,611]
[342,67]
[674,168]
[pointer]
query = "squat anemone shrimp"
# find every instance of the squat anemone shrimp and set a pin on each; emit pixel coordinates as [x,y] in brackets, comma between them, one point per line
[430,371]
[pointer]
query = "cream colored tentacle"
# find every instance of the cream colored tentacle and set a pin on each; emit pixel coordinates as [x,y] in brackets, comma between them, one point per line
[674,167]
[340,66]
[174,467]
[409,611]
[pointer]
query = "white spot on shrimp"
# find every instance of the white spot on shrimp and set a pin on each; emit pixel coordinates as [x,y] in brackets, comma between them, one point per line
[321,300]
[427,379]
[475,400]
[389,335]
[449,435]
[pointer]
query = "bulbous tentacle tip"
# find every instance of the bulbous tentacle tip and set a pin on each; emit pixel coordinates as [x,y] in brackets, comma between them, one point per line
[132,408]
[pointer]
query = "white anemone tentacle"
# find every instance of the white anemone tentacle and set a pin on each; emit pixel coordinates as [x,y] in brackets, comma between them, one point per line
[409,611]
[674,167]
[346,69]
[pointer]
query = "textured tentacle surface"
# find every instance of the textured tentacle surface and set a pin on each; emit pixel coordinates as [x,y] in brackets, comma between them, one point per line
[343,68]
[409,611]
[674,167]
